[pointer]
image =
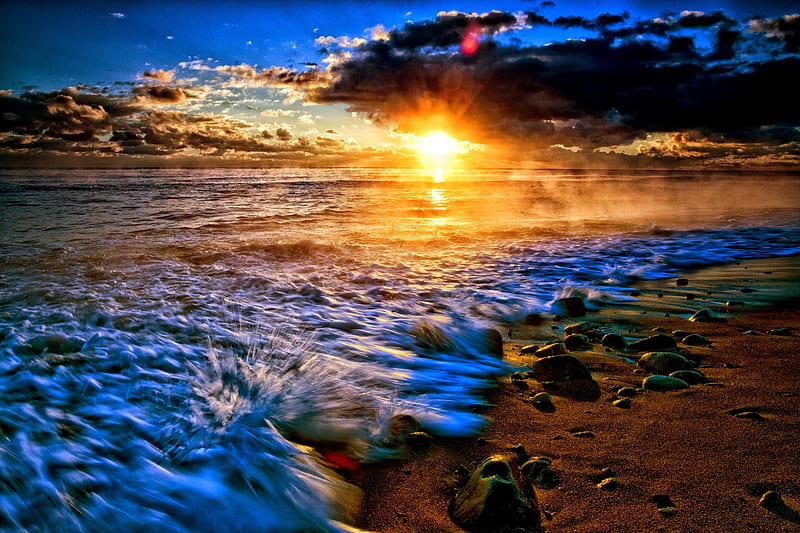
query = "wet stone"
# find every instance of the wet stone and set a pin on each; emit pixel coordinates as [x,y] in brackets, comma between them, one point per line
[695,340]
[622,403]
[528,349]
[609,484]
[560,368]
[584,435]
[627,392]
[681,282]
[614,341]
[653,343]
[705,315]
[538,473]
[692,377]
[663,362]
[782,332]
[493,501]
[555,348]
[570,306]
[577,341]
[663,383]
[543,402]
[418,440]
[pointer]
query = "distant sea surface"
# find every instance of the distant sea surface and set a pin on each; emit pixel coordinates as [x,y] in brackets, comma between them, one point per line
[176,346]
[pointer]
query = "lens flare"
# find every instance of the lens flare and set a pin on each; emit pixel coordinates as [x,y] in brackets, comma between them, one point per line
[437,145]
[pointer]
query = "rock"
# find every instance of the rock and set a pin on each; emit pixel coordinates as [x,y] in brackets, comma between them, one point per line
[681,282]
[622,403]
[614,341]
[692,377]
[536,471]
[627,392]
[584,435]
[554,348]
[774,503]
[695,340]
[668,511]
[491,501]
[605,473]
[609,484]
[680,334]
[653,343]
[577,341]
[749,415]
[528,349]
[783,332]
[543,402]
[418,440]
[663,362]
[570,306]
[705,315]
[533,319]
[664,383]
[560,368]
[521,453]
[430,336]
[734,303]
[580,327]
[400,427]
[492,342]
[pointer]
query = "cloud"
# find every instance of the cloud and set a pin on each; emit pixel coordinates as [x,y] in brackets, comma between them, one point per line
[164,76]
[632,78]
[162,94]
[283,134]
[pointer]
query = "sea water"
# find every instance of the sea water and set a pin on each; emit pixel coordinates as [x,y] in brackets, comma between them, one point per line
[178,347]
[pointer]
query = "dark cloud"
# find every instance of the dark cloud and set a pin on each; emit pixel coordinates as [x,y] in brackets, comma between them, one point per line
[633,78]
[283,134]
[162,94]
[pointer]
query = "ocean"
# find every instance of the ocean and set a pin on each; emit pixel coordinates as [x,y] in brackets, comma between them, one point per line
[178,347]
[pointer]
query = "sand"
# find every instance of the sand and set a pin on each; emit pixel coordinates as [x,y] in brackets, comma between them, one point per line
[713,466]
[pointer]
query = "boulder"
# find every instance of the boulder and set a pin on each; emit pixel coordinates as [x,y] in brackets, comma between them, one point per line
[664,362]
[653,343]
[664,383]
[492,501]
[560,368]
[570,306]
[492,342]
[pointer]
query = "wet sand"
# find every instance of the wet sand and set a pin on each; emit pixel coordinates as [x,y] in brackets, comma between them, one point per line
[686,444]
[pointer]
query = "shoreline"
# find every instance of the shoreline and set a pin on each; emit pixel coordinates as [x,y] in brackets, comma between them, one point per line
[686,444]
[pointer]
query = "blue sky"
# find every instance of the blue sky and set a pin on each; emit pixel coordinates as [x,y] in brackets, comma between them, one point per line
[103,81]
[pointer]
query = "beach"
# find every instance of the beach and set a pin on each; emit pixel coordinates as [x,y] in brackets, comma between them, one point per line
[688,445]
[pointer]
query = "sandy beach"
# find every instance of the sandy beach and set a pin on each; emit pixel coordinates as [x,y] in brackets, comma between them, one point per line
[710,451]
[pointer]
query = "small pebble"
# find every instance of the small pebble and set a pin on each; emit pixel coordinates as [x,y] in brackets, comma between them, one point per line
[622,403]
[584,435]
[610,483]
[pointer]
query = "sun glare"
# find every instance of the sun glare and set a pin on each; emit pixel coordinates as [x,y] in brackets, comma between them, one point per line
[437,145]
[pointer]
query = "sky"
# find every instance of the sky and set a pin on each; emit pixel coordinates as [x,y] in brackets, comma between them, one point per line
[528,84]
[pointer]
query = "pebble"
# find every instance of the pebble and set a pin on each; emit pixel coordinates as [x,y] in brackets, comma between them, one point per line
[614,341]
[784,332]
[584,435]
[681,282]
[705,315]
[663,362]
[577,341]
[627,392]
[609,484]
[418,440]
[538,473]
[653,343]
[543,402]
[580,327]
[622,403]
[554,348]
[695,340]
[528,349]
[663,383]
[692,377]
[560,368]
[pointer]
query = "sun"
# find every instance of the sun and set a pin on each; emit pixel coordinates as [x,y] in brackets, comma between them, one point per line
[437,145]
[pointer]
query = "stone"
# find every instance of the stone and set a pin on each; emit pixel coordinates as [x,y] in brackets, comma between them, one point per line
[418,440]
[570,306]
[653,343]
[680,334]
[533,319]
[400,427]
[554,348]
[528,349]
[610,483]
[491,342]
[695,340]
[560,368]
[782,332]
[749,415]
[622,403]
[584,435]
[580,327]
[627,392]
[615,341]
[681,282]
[692,377]
[774,503]
[537,472]
[492,501]
[663,383]
[577,341]
[543,402]
[705,315]
[663,362]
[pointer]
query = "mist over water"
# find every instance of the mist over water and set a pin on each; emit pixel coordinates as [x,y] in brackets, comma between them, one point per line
[176,346]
